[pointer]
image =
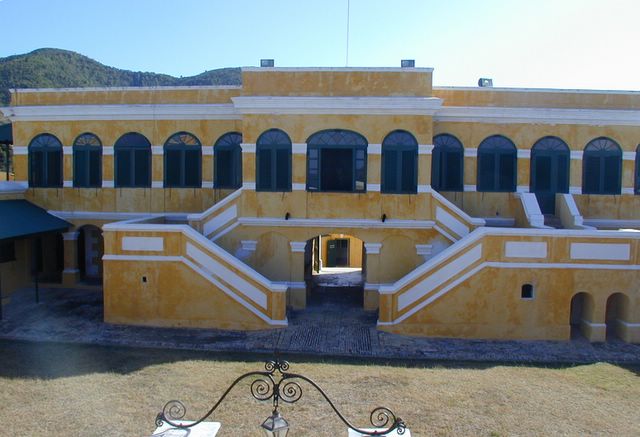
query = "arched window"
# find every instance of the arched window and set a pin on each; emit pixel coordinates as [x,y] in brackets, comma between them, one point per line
[602,167]
[448,163]
[399,163]
[228,159]
[637,178]
[273,161]
[549,171]
[45,161]
[497,165]
[87,161]
[132,161]
[337,161]
[182,161]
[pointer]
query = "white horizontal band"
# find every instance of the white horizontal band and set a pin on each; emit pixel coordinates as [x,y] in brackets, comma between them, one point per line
[311,105]
[300,148]
[513,115]
[248,147]
[425,149]
[373,187]
[122,112]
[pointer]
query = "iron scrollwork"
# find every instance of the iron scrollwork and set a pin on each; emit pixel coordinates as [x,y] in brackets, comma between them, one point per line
[277,384]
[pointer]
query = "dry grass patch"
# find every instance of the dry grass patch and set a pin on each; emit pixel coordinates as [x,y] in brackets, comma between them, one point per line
[93,391]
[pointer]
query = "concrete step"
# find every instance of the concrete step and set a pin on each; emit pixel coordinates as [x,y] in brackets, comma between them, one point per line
[553,221]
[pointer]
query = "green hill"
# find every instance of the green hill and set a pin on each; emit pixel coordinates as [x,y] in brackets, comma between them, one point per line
[55,68]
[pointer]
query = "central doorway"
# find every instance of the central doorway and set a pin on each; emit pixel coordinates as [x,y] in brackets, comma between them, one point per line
[334,272]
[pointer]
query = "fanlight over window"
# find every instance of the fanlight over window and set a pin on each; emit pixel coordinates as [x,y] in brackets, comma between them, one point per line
[87,161]
[273,161]
[45,162]
[602,167]
[132,161]
[497,164]
[182,161]
[228,161]
[400,163]
[447,164]
[337,161]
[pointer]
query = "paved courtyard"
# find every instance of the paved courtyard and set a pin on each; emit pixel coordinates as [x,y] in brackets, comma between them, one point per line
[332,325]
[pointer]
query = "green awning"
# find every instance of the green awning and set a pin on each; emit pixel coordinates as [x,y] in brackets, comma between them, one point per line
[19,218]
[6,134]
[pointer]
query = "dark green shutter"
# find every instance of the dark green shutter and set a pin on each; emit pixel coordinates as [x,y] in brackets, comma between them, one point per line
[591,174]
[192,171]
[265,176]
[390,160]
[283,169]
[408,175]
[142,161]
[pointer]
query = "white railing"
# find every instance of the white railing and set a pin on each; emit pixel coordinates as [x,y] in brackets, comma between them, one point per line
[218,216]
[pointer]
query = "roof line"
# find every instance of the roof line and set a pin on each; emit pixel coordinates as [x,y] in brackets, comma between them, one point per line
[536,90]
[126,88]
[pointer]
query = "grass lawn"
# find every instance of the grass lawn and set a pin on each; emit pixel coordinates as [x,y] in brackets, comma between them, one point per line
[50,389]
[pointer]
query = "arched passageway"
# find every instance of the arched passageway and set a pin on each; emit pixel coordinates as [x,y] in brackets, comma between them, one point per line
[616,313]
[581,310]
[334,272]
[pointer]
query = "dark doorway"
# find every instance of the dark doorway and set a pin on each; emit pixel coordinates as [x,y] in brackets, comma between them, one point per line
[90,252]
[338,253]
[549,172]
[337,170]
[616,309]
[581,304]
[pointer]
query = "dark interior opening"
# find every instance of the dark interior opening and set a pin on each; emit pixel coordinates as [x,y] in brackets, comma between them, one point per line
[337,170]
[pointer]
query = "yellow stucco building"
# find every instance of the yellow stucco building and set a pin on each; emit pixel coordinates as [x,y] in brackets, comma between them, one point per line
[473,212]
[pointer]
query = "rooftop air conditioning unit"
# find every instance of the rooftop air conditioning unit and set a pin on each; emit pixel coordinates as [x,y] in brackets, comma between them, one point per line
[407,63]
[266,63]
[484,82]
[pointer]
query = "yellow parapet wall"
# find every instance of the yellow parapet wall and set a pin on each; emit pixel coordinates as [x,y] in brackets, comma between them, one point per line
[519,284]
[169,275]
[337,81]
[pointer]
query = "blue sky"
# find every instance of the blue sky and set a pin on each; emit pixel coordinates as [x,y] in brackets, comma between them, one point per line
[536,43]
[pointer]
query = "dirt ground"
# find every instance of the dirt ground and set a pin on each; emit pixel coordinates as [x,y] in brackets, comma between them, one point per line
[95,391]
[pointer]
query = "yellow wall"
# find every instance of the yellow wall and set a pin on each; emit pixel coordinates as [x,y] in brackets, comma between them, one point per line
[625,207]
[489,304]
[288,82]
[537,98]
[273,257]
[355,249]
[172,296]
[129,95]
[17,274]
[480,204]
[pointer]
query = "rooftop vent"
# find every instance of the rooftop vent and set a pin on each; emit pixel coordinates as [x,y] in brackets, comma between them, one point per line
[484,82]
[407,63]
[266,63]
